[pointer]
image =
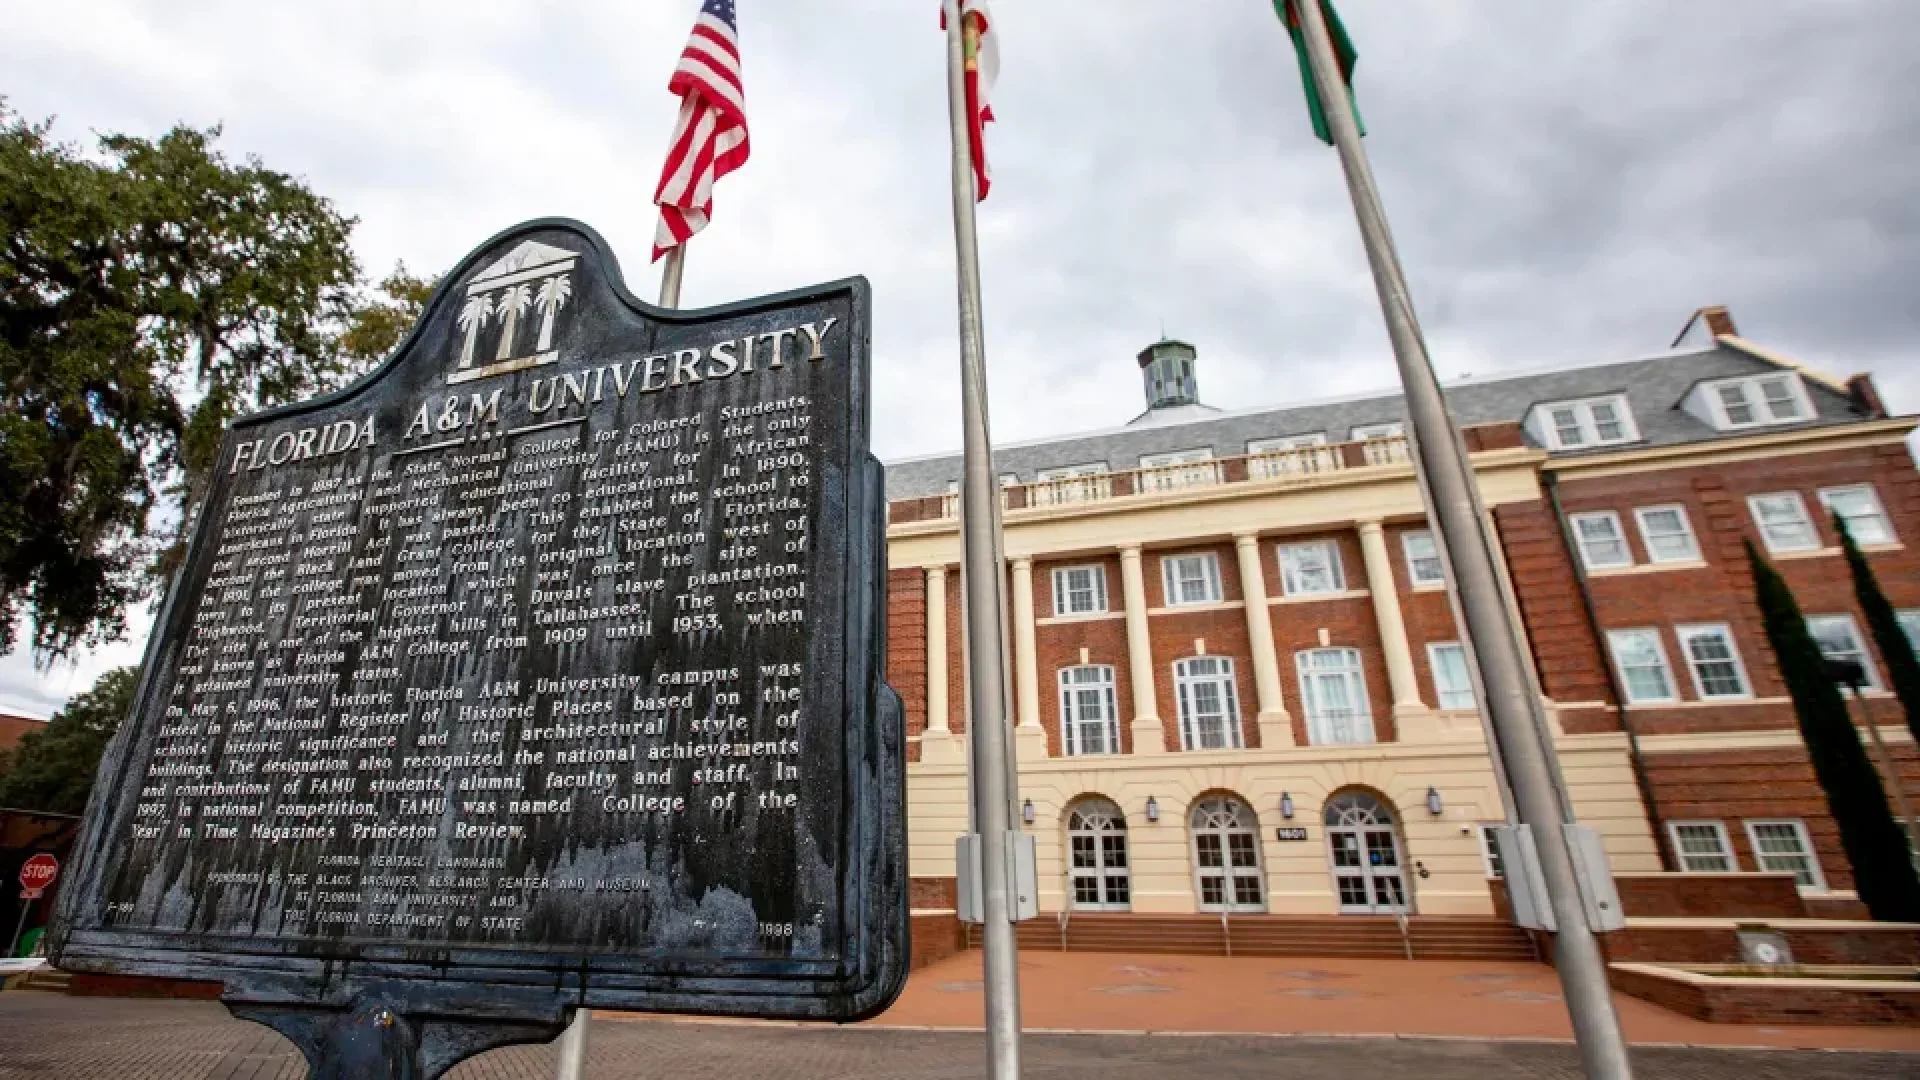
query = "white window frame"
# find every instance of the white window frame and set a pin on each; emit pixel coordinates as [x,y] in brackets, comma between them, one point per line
[1909,620]
[1290,568]
[1883,524]
[1070,484]
[1071,472]
[1286,442]
[1414,576]
[1799,827]
[1754,502]
[1492,864]
[1687,633]
[1178,469]
[1177,457]
[1577,521]
[1586,426]
[1290,455]
[1859,643]
[1063,591]
[1072,735]
[1752,390]
[1442,693]
[1660,651]
[1210,579]
[1648,535]
[1386,429]
[1356,676]
[1185,682]
[1719,829]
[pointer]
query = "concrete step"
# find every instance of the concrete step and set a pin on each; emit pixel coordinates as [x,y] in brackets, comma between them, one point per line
[46,981]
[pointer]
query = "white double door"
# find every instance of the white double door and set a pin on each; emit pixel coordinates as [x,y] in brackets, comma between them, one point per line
[1368,871]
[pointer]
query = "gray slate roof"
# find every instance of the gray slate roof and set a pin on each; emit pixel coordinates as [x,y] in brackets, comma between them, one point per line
[1654,387]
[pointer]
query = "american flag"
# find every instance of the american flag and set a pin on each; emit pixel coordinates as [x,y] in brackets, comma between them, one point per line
[710,139]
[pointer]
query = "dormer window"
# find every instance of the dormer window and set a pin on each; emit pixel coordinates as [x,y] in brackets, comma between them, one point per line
[1391,429]
[1753,401]
[1576,425]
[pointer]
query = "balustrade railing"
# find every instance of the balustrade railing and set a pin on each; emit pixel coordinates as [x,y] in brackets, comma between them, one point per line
[1303,464]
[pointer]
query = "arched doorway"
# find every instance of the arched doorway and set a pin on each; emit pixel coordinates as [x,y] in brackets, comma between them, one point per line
[1364,848]
[1226,855]
[1097,868]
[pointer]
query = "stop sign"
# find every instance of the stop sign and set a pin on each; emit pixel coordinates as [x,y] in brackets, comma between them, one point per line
[36,874]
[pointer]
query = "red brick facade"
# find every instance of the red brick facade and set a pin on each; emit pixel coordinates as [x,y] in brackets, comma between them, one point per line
[1686,782]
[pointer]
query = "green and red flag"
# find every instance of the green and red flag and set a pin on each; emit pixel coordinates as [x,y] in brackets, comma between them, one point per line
[1343,53]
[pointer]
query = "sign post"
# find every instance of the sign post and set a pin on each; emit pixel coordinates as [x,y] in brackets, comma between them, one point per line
[538,671]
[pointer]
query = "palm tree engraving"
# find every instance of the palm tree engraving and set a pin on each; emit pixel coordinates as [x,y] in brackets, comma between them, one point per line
[472,317]
[512,304]
[550,299]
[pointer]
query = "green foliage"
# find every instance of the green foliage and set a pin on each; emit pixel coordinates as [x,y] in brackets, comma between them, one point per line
[1903,667]
[53,770]
[1883,872]
[149,293]
[385,317]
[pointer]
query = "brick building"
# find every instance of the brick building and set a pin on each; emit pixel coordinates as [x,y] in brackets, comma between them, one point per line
[1237,682]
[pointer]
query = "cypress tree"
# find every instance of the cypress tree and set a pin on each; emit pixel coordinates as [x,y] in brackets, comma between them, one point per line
[1876,847]
[1903,668]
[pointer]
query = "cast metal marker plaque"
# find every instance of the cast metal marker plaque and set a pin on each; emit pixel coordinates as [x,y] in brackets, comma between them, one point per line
[539,668]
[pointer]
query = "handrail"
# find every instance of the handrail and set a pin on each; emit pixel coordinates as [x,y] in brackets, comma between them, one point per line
[1406,941]
[1226,932]
[1065,917]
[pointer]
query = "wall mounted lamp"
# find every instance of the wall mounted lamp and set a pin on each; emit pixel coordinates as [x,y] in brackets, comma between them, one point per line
[1153,809]
[1286,805]
[1434,805]
[1026,811]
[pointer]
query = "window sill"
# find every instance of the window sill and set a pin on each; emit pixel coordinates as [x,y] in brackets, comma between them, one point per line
[1091,616]
[1835,552]
[1429,586]
[1344,594]
[1189,609]
[1647,568]
[1710,703]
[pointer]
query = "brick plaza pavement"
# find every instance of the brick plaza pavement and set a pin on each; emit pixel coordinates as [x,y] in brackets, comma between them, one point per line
[54,1037]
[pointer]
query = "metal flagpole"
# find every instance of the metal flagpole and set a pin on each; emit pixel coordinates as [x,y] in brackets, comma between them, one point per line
[1511,700]
[670,274]
[980,547]
[573,1043]
[573,1046]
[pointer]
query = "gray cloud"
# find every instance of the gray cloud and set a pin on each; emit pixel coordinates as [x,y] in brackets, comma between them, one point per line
[1567,181]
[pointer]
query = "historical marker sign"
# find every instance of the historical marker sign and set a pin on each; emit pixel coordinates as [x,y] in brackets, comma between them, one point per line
[539,668]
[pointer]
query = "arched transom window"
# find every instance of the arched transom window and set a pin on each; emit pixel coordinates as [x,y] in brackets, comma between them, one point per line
[1364,850]
[1097,857]
[1226,855]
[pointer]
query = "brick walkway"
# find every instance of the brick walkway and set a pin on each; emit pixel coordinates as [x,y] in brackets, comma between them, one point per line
[52,1037]
[1115,992]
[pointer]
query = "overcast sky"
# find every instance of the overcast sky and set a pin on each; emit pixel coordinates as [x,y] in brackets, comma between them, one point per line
[1568,181]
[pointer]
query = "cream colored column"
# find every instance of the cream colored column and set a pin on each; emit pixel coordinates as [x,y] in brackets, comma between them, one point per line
[1029,737]
[1148,736]
[937,744]
[1276,727]
[1393,627]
